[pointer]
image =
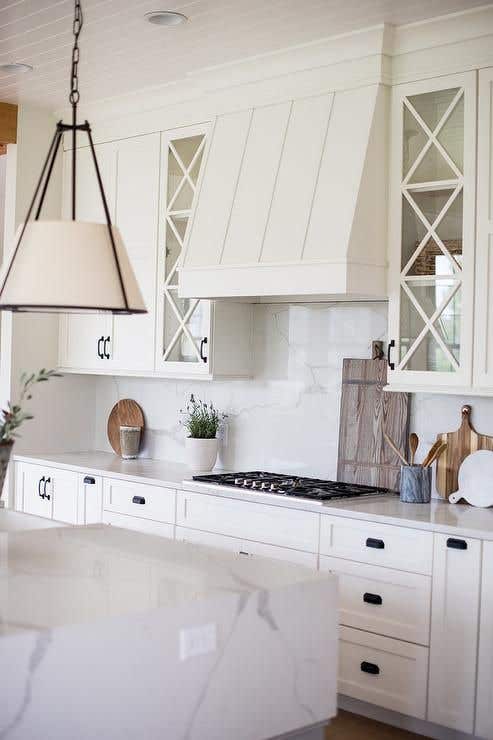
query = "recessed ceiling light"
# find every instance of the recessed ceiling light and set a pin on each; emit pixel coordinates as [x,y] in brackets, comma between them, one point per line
[166,18]
[15,67]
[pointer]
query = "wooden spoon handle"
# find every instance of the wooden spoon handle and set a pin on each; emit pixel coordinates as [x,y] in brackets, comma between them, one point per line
[395,448]
[441,448]
[431,452]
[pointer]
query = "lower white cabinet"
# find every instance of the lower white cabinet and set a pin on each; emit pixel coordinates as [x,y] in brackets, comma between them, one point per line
[246,547]
[454,632]
[382,671]
[274,525]
[381,600]
[484,703]
[63,495]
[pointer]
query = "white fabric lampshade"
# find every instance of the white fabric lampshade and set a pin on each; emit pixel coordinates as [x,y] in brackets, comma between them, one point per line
[68,266]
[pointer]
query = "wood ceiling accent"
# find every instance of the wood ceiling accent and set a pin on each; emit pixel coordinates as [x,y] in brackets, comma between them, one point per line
[8,124]
[121,52]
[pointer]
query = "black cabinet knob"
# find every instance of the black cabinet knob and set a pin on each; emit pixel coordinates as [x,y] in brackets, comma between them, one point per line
[371,668]
[376,544]
[100,351]
[46,495]
[372,599]
[89,481]
[456,544]
[106,354]
[138,500]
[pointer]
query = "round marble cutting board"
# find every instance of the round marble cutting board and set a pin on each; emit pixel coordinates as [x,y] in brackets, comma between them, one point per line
[475,480]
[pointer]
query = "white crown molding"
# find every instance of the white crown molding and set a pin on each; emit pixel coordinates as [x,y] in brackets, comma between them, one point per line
[380,54]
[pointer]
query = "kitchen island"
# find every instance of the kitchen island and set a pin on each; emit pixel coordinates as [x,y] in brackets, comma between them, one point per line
[109,633]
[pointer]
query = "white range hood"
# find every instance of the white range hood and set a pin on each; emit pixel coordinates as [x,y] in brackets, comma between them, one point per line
[292,202]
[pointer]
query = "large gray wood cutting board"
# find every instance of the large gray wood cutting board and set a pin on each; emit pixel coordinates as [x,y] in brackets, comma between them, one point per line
[366,412]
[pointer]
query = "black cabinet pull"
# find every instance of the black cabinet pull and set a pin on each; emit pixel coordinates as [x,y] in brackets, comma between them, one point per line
[372,599]
[376,544]
[100,351]
[106,354]
[89,481]
[456,544]
[202,345]
[138,500]
[370,668]
[242,552]
[390,346]
[46,495]
[41,480]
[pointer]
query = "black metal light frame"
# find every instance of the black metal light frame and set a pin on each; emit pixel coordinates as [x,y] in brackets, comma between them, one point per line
[44,180]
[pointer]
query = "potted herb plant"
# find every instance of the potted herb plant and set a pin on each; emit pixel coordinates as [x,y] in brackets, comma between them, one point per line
[202,422]
[12,417]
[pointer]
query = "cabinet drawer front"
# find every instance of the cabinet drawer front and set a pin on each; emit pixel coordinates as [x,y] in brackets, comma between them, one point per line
[260,549]
[196,537]
[248,520]
[140,525]
[140,500]
[389,602]
[377,544]
[382,671]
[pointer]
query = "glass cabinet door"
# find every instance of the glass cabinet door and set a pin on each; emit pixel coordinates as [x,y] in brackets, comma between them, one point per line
[431,281]
[184,323]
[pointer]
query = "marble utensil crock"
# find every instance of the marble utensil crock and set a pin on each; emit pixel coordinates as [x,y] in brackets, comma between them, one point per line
[415,484]
[5,452]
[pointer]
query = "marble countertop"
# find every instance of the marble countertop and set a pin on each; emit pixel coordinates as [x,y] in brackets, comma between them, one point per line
[106,632]
[439,516]
[142,470]
[15,521]
[64,575]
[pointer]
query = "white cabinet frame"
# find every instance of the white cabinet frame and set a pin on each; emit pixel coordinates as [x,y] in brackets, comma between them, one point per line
[464,182]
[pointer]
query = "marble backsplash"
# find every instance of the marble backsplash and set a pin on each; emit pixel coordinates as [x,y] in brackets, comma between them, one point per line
[286,417]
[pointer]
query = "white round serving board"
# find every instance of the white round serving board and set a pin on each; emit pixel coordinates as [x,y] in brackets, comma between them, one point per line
[475,480]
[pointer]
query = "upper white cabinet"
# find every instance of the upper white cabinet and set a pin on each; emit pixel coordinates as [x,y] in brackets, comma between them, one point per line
[150,182]
[194,337]
[130,173]
[292,201]
[454,632]
[86,341]
[432,230]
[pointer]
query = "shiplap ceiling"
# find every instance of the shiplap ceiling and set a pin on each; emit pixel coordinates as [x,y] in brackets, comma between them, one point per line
[121,52]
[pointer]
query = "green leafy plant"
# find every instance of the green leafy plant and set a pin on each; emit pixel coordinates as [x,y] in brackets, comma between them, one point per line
[201,420]
[14,416]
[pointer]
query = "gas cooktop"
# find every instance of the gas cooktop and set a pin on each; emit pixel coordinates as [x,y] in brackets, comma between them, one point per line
[289,485]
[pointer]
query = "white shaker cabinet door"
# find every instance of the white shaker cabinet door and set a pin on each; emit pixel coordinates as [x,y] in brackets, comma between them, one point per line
[86,341]
[136,215]
[454,632]
[484,704]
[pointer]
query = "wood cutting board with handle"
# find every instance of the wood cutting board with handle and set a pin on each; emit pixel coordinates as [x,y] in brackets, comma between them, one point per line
[460,444]
[367,411]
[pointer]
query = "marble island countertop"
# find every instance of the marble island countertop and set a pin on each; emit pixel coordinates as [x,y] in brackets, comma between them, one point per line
[106,632]
[438,516]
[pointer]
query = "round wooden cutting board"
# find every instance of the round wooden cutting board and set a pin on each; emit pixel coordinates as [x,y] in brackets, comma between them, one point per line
[124,413]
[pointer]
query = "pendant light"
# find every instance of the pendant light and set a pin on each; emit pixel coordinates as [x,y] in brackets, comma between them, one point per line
[69,266]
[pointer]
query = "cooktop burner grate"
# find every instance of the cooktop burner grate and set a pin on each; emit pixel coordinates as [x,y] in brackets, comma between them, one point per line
[289,485]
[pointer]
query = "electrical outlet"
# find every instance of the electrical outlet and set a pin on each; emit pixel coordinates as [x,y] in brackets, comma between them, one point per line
[198,641]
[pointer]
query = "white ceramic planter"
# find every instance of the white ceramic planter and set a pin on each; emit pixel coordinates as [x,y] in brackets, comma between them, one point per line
[201,454]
